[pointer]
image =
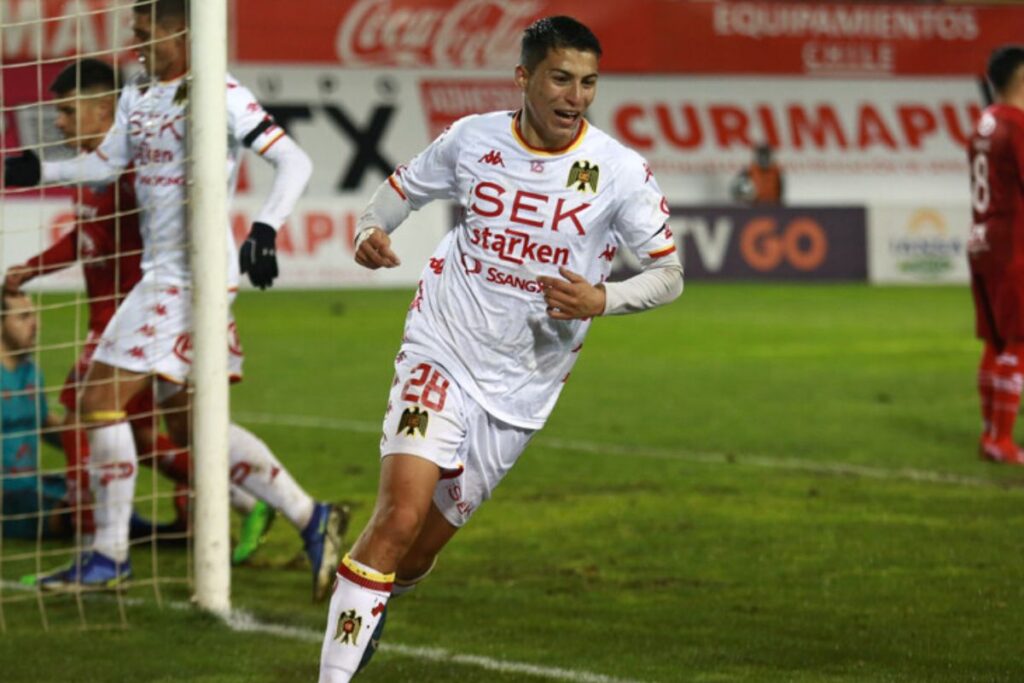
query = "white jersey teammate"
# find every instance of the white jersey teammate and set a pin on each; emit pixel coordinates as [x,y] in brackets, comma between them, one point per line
[150,334]
[500,314]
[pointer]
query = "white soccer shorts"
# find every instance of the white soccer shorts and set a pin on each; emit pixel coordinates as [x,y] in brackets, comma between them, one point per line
[430,416]
[150,333]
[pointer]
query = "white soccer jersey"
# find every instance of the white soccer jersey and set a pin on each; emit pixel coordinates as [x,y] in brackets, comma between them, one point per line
[150,132]
[480,311]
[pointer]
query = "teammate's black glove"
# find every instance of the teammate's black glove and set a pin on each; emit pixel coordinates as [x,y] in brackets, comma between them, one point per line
[22,171]
[258,256]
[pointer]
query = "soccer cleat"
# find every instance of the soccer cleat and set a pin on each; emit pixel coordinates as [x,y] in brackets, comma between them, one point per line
[323,537]
[1008,453]
[254,532]
[89,571]
[371,647]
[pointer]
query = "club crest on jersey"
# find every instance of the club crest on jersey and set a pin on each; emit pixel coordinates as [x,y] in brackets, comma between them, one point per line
[413,420]
[583,174]
[349,624]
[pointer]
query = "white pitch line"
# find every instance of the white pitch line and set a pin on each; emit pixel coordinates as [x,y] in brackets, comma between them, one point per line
[628,450]
[241,621]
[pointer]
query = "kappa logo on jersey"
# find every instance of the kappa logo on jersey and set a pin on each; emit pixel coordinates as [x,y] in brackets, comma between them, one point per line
[583,175]
[413,420]
[537,166]
[493,158]
[349,624]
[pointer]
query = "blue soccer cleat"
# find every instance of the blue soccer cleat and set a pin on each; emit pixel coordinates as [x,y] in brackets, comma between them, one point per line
[323,537]
[89,571]
[371,647]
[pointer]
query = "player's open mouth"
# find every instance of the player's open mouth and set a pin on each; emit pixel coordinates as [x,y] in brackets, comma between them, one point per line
[567,116]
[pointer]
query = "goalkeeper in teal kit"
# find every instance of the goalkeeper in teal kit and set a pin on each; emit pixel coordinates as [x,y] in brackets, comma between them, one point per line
[27,495]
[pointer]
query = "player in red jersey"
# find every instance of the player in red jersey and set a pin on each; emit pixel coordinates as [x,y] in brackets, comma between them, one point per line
[106,240]
[996,252]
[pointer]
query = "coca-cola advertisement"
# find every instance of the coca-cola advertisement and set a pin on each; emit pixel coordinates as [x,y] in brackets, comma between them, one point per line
[641,36]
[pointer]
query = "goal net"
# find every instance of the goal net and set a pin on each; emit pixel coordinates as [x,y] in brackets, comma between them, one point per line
[70,253]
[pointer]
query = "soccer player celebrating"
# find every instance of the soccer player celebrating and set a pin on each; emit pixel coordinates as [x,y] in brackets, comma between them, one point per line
[500,314]
[996,252]
[149,336]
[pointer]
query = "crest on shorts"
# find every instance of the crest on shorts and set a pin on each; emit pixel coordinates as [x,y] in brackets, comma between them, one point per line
[583,174]
[349,624]
[413,420]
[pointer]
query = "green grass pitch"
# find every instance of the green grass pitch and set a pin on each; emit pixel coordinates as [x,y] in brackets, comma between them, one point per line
[757,483]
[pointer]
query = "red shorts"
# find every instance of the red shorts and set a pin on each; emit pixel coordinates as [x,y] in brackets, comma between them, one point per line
[999,307]
[141,404]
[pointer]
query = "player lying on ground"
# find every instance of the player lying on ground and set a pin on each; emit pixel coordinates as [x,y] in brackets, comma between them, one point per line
[149,336]
[500,314]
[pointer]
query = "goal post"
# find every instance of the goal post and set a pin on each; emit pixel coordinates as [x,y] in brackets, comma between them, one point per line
[207,220]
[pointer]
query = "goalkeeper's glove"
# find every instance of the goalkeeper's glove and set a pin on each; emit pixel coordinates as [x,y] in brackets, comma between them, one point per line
[258,256]
[22,171]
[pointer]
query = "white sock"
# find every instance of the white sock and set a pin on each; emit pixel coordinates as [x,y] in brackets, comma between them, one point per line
[255,469]
[241,501]
[360,595]
[112,473]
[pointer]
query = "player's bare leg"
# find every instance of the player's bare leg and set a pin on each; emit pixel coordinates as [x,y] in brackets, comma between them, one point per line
[113,463]
[418,562]
[366,574]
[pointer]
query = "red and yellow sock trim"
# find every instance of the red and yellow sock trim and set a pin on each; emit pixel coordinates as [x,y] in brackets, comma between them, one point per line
[375,581]
[100,417]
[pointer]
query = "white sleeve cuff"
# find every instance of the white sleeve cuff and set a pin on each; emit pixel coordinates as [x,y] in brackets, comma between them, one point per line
[660,283]
[386,210]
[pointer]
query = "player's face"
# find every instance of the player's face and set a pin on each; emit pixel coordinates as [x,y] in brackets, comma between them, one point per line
[83,120]
[19,324]
[556,95]
[160,45]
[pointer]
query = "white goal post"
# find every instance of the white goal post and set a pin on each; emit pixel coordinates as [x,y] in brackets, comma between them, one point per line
[207,218]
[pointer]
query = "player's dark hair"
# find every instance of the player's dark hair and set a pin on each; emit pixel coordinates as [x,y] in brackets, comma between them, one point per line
[161,10]
[554,33]
[86,74]
[1003,64]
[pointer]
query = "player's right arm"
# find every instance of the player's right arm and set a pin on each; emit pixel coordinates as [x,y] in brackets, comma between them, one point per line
[100,166]
[429,176]
[63,253]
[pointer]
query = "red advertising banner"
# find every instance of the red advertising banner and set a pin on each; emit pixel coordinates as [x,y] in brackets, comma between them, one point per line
[35,30]
[642,36]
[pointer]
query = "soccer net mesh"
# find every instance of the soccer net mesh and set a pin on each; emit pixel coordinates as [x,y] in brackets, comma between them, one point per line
[58,238]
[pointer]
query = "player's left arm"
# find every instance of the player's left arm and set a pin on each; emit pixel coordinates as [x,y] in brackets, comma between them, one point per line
[641,223]
[256,129]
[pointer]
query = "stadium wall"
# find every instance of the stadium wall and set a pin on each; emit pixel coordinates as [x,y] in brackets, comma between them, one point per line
[868,106]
